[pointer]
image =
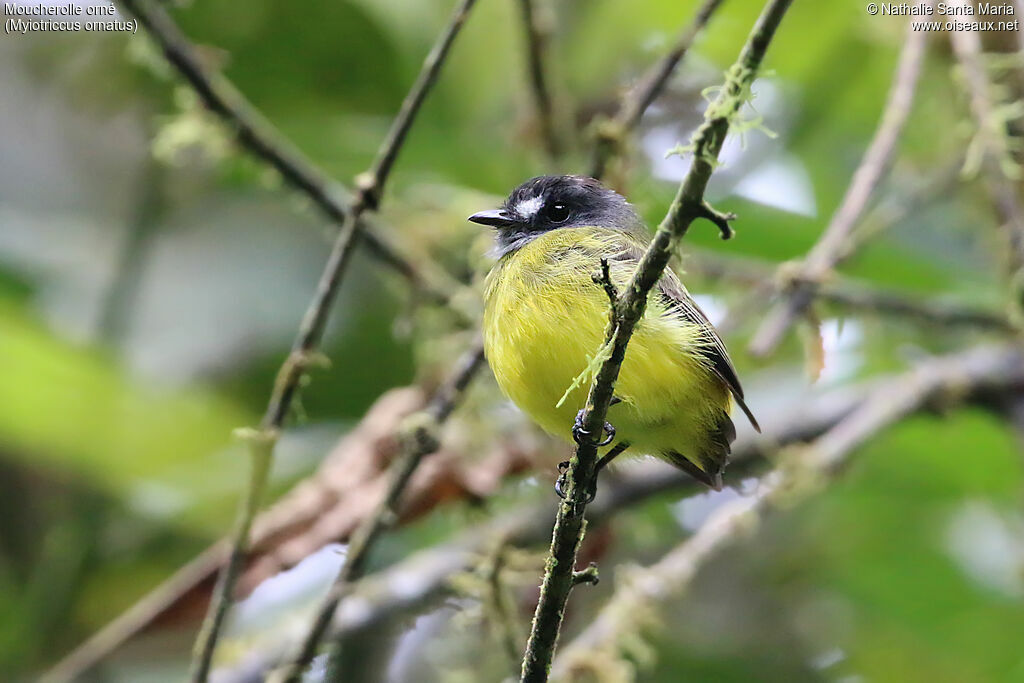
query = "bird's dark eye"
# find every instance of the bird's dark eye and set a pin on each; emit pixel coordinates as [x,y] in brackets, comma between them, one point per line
[557,213]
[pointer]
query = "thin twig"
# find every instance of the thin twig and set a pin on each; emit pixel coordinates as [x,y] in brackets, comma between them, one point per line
[758,275]
[385,594]
[882,217]
[832,246]
[993,136]
[960,377]
[221,97]
[503,610]
[418,439]
[610,135]
[257,136]
[688,205]
[537,34]
[120,296]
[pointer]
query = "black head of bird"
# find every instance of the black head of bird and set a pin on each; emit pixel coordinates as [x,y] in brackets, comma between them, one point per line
[547,203]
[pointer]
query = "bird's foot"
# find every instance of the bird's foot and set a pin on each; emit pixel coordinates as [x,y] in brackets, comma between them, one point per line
[579,434]
[563,467]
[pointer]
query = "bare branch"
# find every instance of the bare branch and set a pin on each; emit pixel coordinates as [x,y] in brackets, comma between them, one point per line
[325,508]
[254,133]
[971,374]
[537,34]
[371,184]
[418,439]
[758,275]
[832,247]
[258,136]
[384,594]
[609,135]
[687,206]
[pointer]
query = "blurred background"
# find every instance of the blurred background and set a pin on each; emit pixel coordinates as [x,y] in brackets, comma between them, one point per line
[153,274]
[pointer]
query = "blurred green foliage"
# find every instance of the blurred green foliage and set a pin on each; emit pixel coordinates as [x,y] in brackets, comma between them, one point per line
[116,453]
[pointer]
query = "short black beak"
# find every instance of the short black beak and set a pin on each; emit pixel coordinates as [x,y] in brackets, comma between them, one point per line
[496,218]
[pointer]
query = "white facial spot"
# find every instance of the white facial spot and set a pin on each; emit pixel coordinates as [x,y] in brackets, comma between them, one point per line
[528,208]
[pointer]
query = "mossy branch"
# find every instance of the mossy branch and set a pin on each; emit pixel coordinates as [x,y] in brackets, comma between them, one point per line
[418,438]
[751,274]
[687,206]
[348,210]
[835,243]
[255,134]
[381,596]
[996,158]
[610,135]
[970,375]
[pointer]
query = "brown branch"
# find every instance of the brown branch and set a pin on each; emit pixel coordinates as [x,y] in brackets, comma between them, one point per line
[832,247]
[996,156]
[258,136]
[418,438]
[325,508]
[752,274]
[254,134]
[537,34]
[688,205]
[387,593]
[609,135]
[972,374]
[379,596]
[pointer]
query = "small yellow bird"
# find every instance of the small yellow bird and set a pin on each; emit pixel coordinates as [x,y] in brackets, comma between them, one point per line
[545,318]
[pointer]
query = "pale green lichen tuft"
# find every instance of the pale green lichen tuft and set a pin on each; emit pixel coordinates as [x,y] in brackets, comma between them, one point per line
[589,373]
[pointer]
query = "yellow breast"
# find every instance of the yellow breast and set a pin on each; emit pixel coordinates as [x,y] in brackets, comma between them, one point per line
[545,318]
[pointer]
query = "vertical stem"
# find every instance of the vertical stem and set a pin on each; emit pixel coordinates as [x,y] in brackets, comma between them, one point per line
[120,296]
[536,48]
[261,450]
[836,243]
[609,135]
[688,205]
[418,440]
[307,341]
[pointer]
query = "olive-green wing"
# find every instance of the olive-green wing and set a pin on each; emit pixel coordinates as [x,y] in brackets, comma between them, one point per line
[678,300]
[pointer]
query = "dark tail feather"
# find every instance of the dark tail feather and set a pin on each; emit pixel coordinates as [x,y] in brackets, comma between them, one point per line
[714,457]
[711,480]
[737,393]
[746,411]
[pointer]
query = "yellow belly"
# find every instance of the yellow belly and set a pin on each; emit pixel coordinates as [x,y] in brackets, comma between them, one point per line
[544,318]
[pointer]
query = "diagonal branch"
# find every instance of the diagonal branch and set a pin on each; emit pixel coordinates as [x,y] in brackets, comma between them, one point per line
[537,34]
[418,439]
[834,245]
[257,135]
[759,276]
[688,205]
[222,98]
[969,375]
[610,135]
[381,595]
[424,577]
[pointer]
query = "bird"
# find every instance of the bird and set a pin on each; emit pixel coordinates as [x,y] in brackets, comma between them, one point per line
[546,313]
